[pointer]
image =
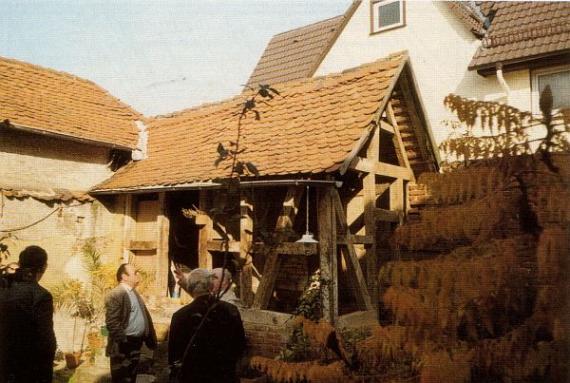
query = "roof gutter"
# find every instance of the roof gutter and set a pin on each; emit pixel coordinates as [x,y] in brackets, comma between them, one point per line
[28,129]
[217,185]
[502,81]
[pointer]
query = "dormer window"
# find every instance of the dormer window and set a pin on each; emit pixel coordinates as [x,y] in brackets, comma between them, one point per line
[386,14]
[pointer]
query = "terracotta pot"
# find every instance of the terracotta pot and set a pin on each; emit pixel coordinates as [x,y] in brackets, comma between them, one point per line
[72,360]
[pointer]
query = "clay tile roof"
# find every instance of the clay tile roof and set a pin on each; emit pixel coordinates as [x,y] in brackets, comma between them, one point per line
[295,54]
[42,99]
[522,31]
[310,128]
[468,16]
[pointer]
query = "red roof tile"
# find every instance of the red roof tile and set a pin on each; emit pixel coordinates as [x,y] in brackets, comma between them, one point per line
[295,54]
[47,100]
[521,31]
[311,127]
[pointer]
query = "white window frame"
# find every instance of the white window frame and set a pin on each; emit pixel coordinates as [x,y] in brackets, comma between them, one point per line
[535,73]
[374,14]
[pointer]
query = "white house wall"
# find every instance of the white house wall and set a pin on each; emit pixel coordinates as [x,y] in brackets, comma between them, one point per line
[440,49]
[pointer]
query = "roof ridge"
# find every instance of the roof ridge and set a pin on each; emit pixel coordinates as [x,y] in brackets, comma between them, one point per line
[292,85]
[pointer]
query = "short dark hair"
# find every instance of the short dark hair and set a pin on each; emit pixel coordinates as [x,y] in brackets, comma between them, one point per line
[121,270]
[33,258]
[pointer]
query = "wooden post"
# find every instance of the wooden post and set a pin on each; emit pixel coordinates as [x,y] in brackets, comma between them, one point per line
[369,186]
[128,227]
[397,196]
[245,248]
[205,233]
[265,288]
[162,260]
[352,263]
[328,254]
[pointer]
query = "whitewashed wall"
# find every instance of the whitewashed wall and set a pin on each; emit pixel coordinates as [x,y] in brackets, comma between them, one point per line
[440,49]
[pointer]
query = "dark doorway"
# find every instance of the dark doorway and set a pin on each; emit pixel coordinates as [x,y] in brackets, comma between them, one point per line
[183,236]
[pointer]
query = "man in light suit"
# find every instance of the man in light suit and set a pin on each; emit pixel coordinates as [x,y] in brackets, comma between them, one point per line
[129,324]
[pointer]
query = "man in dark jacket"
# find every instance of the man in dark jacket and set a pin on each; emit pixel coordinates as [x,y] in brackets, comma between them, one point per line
[26,330]
[206,337]
[129,324]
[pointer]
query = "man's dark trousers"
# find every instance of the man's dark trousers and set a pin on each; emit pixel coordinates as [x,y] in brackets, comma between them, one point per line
[124,364]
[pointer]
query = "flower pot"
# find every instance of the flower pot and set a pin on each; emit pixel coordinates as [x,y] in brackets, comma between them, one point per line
[72,360]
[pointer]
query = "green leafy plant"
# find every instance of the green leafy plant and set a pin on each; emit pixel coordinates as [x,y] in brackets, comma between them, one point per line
[310,302]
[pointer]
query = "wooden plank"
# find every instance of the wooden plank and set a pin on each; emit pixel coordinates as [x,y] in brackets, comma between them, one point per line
[328,254]
[265,288]
[287,248]
[218,245]
[245,249]
[369,201]
[397,197]
[347,164]
[386,127]
[398,138]
[128,227]
[353,265]
[162,259]
[355,239]
[386,215]
[381,168]
[205,233]
[142,245]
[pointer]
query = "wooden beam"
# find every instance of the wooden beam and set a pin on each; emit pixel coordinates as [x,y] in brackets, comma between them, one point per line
[218,245]
[287,248]
[381,168]
[386,215]
[265,288]
[369,202]
[398,199]
[386,127]
[355,239]
[398,139]
[421,134]
[128,227]
[245,249]
[353,265]
[328,254]
[142,245]
[162,260]
[205,233]
[356,149]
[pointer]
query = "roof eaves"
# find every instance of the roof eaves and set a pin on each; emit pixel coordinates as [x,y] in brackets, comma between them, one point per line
[7,124]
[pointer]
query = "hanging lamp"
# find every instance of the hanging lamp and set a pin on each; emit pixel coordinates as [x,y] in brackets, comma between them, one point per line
[307,237]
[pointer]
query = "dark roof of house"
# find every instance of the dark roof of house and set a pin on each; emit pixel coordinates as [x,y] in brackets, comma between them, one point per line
[45,100]
[470,14]
[311,127]
[523,31]
[295,54]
